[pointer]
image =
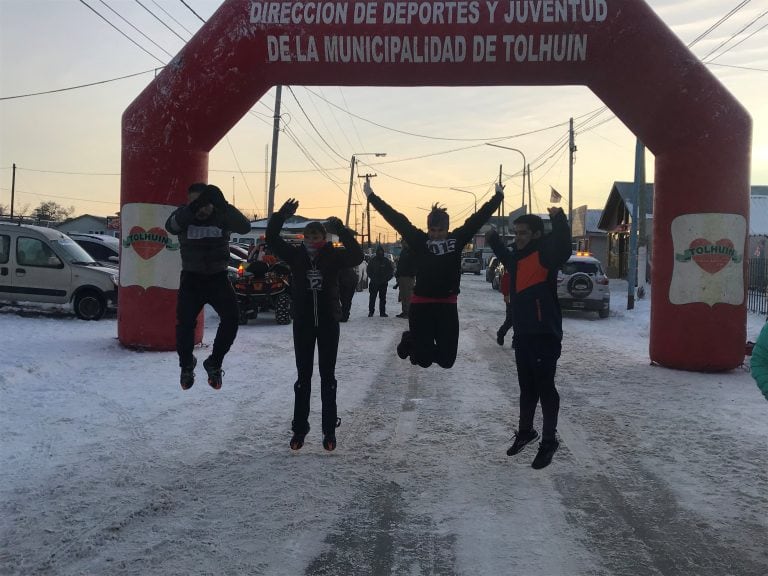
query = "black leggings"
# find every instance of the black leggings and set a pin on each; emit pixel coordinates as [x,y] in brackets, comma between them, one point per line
[195,291]
[435,334]
[305,335]
[536,357]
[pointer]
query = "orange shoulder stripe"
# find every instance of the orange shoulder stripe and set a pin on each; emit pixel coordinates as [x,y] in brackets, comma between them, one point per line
[529,272]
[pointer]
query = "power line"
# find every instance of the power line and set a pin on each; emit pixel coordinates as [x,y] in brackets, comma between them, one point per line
[156,17]
[172,18]
[56,90]
[193,12]
[131,40]
[134,27]
[714,26]
[740,41]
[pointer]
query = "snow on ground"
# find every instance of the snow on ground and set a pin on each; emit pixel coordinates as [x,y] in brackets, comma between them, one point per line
[108,467]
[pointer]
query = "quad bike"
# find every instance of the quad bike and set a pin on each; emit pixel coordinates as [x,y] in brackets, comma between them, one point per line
[260,288]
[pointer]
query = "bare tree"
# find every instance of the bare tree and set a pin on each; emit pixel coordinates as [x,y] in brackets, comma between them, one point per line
[52,211]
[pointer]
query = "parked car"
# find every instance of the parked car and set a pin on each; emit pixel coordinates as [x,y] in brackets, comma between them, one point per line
[491,269]
[238,250]
[102,248]
[582,285]
[471,264]
[44,265]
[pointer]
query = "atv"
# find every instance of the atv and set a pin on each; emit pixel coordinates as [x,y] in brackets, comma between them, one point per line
[261,288]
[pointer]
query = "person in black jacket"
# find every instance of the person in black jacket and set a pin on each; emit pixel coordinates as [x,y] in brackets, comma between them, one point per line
[203,227]
[380,272]
[347,286]
[315,267]
[433,322]
[537,322]
[406,278]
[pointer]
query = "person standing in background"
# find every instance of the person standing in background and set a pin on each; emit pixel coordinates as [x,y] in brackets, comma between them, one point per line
[405,277]
[380,272]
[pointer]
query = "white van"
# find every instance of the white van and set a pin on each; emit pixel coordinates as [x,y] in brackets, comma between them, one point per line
[43,265]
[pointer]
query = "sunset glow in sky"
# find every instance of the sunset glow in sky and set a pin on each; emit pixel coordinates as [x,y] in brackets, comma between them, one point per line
[66,143]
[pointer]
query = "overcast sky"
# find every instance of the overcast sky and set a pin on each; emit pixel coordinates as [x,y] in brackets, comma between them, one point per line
[66,144]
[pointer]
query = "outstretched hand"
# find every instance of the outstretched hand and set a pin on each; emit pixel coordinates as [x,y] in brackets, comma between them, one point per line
[367,188]
[554,210]
[499,188]
[289,208]
[490,234]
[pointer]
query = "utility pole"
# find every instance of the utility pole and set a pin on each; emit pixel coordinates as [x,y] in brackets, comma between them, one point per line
[356,204]
[233,192]
[642,253]
[530,205]
[368,208]
[13,187]
[571,150]
[639,192]
[352,177]
[275,134]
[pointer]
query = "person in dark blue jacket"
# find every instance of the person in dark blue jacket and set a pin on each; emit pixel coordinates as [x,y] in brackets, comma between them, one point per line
[433,321]
[537,322]
[315,268]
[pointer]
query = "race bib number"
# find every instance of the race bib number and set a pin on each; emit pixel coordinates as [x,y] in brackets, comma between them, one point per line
[315,280]
[439,247]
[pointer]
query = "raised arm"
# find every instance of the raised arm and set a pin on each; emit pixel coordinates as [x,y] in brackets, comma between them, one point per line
[472,224]
[179,219]
[556,246]
[395,219]
[353,253]
[275,242]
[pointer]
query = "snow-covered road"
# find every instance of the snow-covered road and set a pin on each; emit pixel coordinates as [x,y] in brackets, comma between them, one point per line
[107,467]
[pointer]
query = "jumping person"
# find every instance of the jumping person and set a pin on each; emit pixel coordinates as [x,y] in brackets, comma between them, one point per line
[433,321]
[537,322]
[315,267]
[203,227]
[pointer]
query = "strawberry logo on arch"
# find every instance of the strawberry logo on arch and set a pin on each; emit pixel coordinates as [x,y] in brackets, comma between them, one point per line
[148,243]
[710,256]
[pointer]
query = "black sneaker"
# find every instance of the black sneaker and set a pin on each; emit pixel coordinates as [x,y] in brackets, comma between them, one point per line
[187,377]
[297,441]
[384,315]
[329,439]
[214,373]
[404,347]
[547,449]
[499,338]
[521,440]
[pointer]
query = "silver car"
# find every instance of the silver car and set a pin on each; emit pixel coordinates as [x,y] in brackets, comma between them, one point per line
[473,265]
[582,285]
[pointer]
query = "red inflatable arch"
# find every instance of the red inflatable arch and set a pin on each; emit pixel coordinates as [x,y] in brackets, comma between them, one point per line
[620,49]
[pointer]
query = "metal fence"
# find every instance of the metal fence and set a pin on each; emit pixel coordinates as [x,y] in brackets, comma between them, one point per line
[757,285]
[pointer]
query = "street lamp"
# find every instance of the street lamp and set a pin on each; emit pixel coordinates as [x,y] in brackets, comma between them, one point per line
[352,177]
[524,165]
[468,192]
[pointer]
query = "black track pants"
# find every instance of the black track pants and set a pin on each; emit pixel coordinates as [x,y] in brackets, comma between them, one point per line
[305,335]
[536,356]
[381,291]
[195,291]
[435,333]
